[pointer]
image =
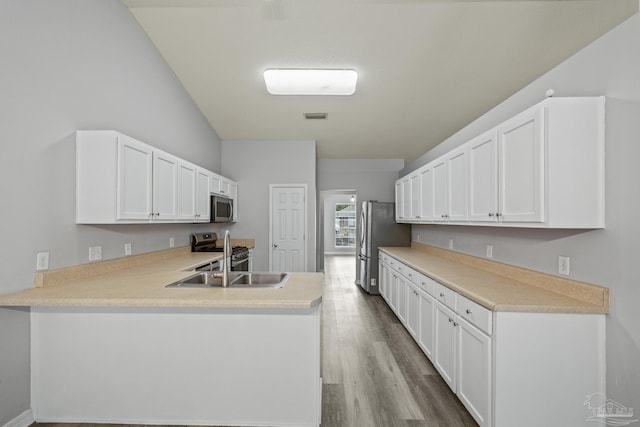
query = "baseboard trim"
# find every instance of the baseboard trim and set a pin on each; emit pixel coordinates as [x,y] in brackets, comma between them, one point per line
[23,420]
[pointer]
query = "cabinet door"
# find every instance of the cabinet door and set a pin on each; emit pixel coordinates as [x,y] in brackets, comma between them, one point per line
[203,195]
[406,199]
[426,319]
[135,179]
[457,184]
[474,371]
[521,167]
[233,193]
[445,344]
[415,196]
[483,178]
[225,187]
[186,191]
[426,194]
[393,290]
[402,298]
[399,202]
[216,183]
[413,300]
[165,186]
[440,190]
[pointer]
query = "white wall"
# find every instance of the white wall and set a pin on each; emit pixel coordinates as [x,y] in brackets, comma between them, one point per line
[67,65]
[329,217]
[610,66]
[256,165]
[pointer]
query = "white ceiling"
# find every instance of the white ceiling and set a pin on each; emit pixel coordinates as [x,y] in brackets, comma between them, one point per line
[426,68]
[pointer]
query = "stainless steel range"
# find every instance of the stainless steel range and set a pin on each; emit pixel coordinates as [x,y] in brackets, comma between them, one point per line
[206,242]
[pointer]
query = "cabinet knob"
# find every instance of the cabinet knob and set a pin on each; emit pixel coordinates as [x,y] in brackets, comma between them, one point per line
[468,311]
[455,324]
[498,214]
[491,214]
[450,320]
[441,295]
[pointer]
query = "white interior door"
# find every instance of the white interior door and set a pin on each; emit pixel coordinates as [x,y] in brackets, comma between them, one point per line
[288,228]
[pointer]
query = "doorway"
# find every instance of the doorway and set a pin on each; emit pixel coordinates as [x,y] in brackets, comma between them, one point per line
[337,224]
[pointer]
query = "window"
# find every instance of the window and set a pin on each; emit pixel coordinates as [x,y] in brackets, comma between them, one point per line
[345,225]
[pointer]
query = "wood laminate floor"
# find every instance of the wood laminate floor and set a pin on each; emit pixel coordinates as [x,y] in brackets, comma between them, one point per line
[374,374]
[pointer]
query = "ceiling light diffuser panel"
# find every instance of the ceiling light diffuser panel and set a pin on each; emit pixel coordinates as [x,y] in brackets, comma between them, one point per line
[281,81]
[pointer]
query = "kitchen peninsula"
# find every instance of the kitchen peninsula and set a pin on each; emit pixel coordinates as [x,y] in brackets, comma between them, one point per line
[112,344]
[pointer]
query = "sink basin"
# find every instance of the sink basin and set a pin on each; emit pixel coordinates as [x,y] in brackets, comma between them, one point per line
[237,279]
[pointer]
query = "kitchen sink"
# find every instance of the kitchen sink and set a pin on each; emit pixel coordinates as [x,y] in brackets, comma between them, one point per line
[237,279]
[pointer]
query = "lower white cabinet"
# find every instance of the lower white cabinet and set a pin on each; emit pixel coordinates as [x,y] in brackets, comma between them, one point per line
[446,341]
[474,371]
[413,307]
[425,332]
[507,368]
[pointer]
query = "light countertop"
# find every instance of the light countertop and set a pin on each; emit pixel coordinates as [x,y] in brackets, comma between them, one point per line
[140,281]
[501,287]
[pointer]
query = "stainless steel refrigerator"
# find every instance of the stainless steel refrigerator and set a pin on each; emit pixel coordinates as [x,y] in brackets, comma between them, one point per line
[377,228]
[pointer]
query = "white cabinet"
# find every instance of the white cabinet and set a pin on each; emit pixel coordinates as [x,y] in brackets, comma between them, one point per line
[399,202]
[542,168]
[402,298]
[440,191]
[122,180]
[134,167]
[426,193]
[457,181]
[413,307]
[521,167]
[186,191]
[483,178]
[474,371]
[426,331]
[446,341]
[165,186]
[203,193]
[221,186]
[233,193]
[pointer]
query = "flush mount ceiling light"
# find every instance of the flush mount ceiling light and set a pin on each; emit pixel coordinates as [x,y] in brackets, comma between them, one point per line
[281,81]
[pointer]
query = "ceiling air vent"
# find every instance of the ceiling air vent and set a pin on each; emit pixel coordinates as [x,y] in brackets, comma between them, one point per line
[316,116]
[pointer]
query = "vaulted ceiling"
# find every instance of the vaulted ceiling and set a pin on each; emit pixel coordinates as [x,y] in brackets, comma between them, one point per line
[426,68]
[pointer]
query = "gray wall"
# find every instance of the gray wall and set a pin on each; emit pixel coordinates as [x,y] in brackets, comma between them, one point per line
[67,65]
[256,165]
[610,66]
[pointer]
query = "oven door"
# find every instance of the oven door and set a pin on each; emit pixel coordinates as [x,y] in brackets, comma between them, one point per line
[221,209]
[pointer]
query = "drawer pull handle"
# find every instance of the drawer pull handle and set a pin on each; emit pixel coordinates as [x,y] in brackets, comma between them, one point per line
[468,311]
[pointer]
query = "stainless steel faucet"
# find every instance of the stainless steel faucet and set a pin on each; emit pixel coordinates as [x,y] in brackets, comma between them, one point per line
[226,265]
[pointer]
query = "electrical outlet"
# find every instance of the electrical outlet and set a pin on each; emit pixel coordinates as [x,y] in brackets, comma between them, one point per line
[95,253]
[563,265]
[42,261]
[489,251]
[172,242]
[450,243]
[127,249]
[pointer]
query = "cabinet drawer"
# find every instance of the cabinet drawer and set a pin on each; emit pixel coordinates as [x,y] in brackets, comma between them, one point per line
[475,314]
[426,283]
[445,295]
[384,257]
[411,274]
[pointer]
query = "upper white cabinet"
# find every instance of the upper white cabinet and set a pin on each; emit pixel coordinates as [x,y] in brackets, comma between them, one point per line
[122,180]
[541,168]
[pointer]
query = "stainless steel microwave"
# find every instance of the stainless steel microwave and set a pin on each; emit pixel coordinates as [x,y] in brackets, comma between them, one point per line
[221,209]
